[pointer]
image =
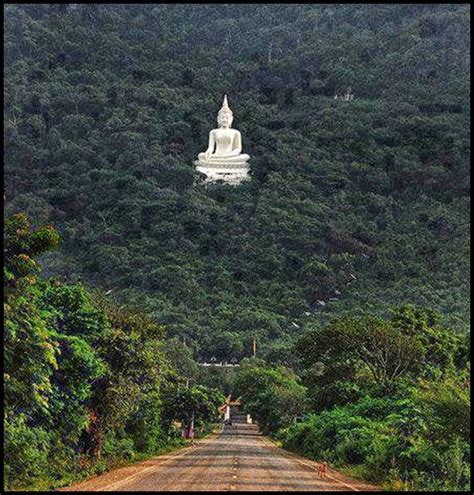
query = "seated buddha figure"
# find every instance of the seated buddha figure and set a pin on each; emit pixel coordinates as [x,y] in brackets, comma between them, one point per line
[225,144]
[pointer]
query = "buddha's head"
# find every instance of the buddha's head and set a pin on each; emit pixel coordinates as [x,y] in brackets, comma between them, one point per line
[225,116]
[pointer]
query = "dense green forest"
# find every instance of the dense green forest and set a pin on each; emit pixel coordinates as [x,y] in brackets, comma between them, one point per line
[385,399]
[359,205]
[353,233]
[88,383]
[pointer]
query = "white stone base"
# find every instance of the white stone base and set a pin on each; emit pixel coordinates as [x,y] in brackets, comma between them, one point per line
[231,175]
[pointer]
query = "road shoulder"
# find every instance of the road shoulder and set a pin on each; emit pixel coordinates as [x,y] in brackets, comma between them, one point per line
[351,484]
[110,479]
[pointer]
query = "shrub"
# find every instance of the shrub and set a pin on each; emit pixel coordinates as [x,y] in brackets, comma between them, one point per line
[26,452]
[391,443]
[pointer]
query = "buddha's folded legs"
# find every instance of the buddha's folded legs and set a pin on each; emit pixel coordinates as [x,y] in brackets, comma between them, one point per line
[243,157]
[224,158]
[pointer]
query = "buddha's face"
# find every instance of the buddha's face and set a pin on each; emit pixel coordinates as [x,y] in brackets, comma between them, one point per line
[225,119]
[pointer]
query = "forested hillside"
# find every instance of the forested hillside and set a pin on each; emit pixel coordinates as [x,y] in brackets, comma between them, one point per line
[353,205]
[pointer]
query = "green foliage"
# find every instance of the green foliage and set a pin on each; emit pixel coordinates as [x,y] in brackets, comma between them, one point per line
[446,405]
[145,424]
[191,403]
[273,396]
[26,451]
[353,208]
[350,355]
[82,374]
[390,438]
[439,345]
[108,106]
[27,325]
[410,433]
[181,356]
[20,245]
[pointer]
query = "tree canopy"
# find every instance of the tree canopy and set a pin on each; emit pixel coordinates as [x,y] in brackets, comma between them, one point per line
[353,206]
[355,222]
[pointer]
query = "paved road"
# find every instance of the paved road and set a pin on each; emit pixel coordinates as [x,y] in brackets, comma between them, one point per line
[238,459]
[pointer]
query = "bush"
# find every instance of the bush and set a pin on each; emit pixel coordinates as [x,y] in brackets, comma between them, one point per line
[26,452]
[118,446]
[391,442]
[145,425]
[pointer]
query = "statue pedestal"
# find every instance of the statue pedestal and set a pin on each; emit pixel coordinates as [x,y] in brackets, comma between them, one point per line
[232,174]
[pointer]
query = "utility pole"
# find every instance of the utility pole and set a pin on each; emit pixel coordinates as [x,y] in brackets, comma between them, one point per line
[254,347]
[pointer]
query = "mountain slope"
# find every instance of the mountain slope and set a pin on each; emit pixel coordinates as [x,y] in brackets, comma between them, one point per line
[363,202]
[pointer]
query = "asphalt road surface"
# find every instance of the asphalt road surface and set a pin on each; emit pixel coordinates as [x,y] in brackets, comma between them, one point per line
[237,459]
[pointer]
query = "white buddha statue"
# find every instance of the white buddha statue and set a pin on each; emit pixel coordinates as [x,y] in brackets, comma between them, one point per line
[224,151]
